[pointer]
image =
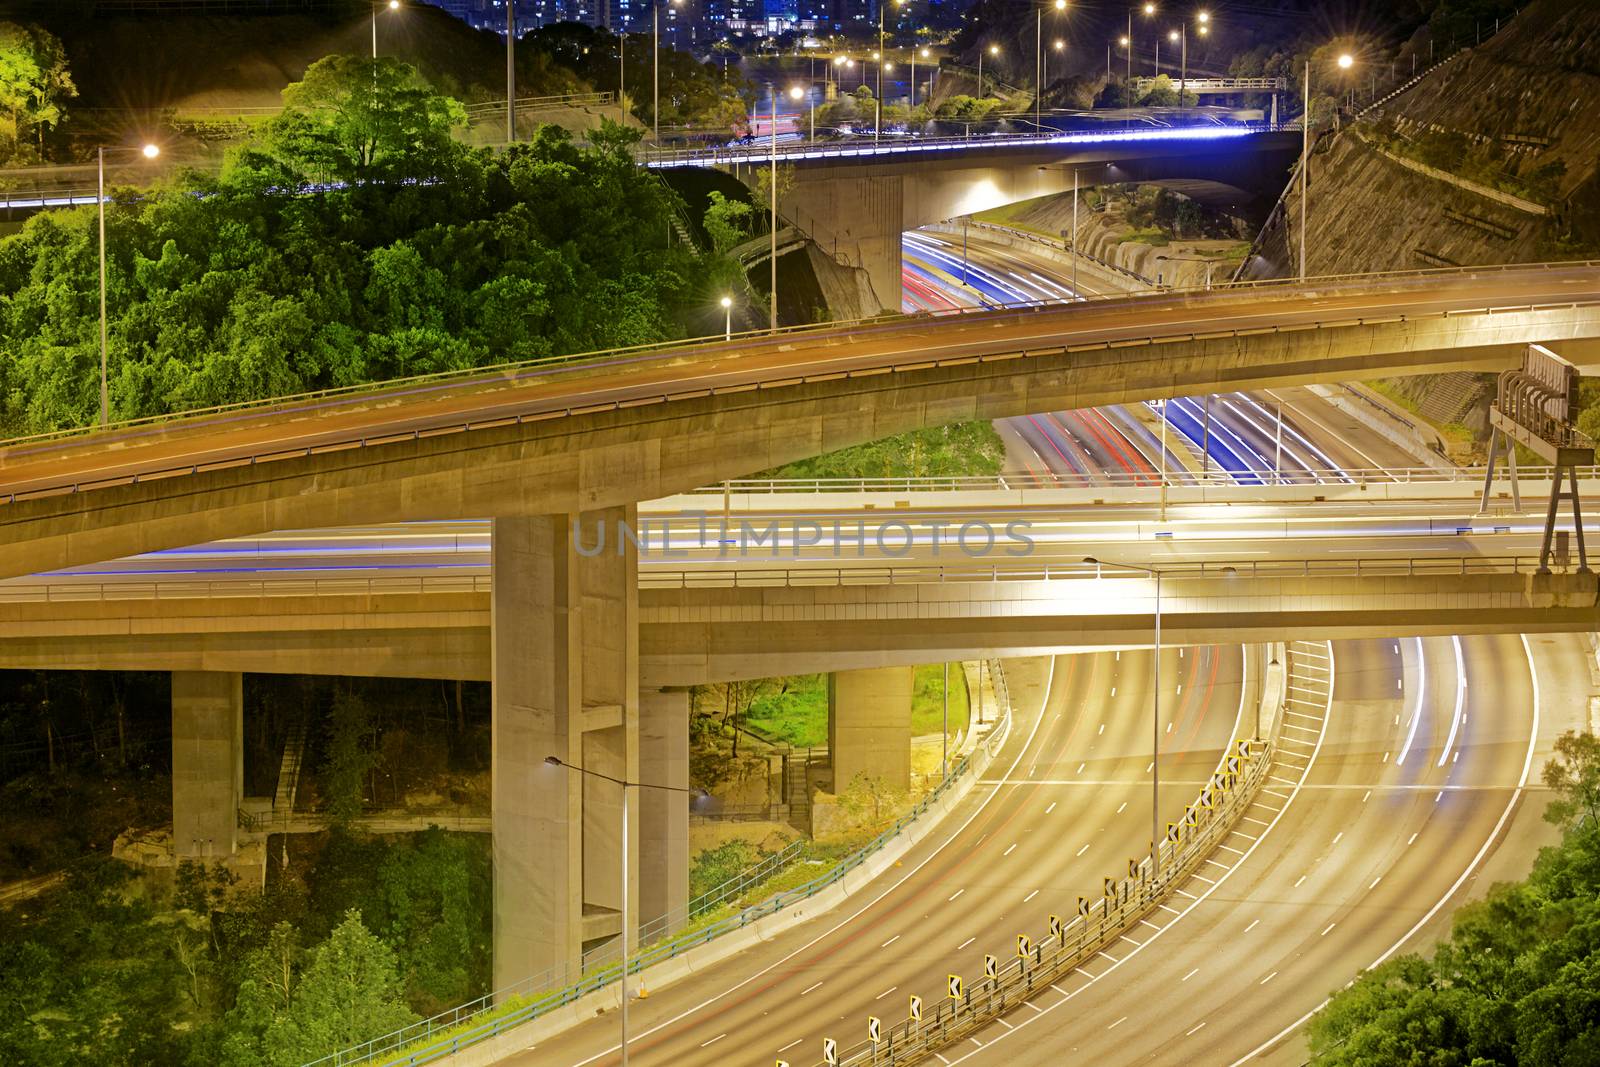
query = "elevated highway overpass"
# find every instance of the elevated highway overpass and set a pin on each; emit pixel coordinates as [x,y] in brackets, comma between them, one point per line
[566,637]
[856,198]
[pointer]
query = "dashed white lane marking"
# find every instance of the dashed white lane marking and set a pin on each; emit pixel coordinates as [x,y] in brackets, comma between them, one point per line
[1438,796]
[1329,927]
[1191,1033]
[713,1041]
[808,989]
[1058,989]
[1005,1024]
[886,992]
[975,1041]
[1081,851]
[941,1059]
[1365,795]
[1268,978]
[1412,839]
[1118,1023]
[1102,729]
[891,941]
[953,896]
[1009,849]
[1030,896]
[1230,848]
[1122,807]
[1150,924]
[1113,690]
[1375,882]
[791,1044]
[1252,925]
[1036,1009]
[1299,880]
[1337,836]
[1386,757]
[1051,808]
[1190,975]
[965,943]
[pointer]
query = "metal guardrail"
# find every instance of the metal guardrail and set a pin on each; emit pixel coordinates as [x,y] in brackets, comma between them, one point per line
[1124,903]
[795,577]
[1217,85]
[544,993]
[482,377]
[1120,479]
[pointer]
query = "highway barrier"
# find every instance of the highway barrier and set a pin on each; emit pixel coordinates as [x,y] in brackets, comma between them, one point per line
[564,997]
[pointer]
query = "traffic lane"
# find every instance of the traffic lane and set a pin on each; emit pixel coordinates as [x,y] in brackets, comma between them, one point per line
[1036,866]
[1007,867]
[1370,850]
[1352,444]
[208,439]
[736,982]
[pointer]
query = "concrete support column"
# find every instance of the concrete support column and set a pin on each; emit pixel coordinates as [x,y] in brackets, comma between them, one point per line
[564,616]
[869,726]
[663,815]
[207,762]
[856,217]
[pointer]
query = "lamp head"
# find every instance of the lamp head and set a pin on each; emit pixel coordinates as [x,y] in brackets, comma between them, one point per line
[1204,17]
[1204,30]
[1149,9]
[926,53]
[994,50]
[1346,61]
[554,761]
[394,5]
[1086,559]
[1059,45]
[888,67]
[1172,35]
[150,151]
[796,93]
[1061,5]
[726,301]
[1123,40]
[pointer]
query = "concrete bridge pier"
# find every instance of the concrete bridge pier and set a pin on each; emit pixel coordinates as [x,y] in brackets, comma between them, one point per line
[207,763]
[564,610]
[869,726]
[663,813]
[857,218]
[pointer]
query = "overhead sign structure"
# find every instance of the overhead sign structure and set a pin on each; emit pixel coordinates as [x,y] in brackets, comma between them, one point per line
[916,1007]
[952,987]
[991,967]
[874,1029]
[830,1052]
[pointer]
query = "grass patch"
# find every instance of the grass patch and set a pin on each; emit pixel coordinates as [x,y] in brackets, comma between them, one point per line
[1453,432]
[959,450]
[796,712]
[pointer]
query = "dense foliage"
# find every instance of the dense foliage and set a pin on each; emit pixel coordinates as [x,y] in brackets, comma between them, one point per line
[352,240]
[115,968]
[34,84]
[957,450]
[1518,980]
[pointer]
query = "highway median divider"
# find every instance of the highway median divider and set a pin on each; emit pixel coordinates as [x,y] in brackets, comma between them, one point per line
[511,1020]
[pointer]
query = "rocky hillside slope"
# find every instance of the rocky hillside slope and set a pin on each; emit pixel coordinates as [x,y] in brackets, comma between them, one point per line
[1492,158]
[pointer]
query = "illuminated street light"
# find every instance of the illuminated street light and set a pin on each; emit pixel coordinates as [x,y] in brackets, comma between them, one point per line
[149,151]
[727,318]
[393,5]
[1039,57]
[797,93]
[1346,61]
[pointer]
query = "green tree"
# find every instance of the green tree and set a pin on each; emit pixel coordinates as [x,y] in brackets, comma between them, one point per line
[358,120]
[34,82]
[349,992]
[726,221]
[348,760]
[1574,776]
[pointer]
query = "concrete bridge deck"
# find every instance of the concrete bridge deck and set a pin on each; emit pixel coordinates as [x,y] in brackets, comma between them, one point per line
[569,436]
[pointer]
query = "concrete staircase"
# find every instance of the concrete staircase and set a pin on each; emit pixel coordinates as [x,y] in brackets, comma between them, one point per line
[1450,396]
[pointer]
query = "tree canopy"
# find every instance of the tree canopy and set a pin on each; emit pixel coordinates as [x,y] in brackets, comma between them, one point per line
[352,240]
[34,83]
[1518,980]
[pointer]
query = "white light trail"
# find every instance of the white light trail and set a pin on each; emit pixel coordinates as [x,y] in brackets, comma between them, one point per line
[1461,699]
[1416,716]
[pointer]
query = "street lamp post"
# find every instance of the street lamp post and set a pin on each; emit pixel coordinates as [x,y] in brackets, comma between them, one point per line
[993,50]
[772,174]
[1149,12]
[655,69]
[1155,721]
[149,151]
[392,5]
[727,318]
[557,761]
[1345,61]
